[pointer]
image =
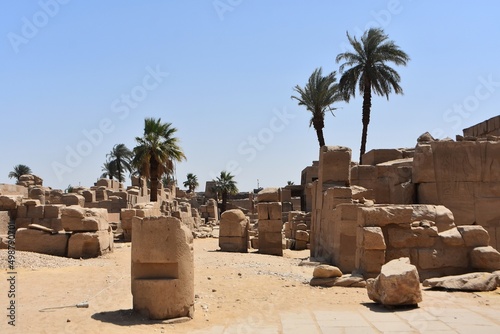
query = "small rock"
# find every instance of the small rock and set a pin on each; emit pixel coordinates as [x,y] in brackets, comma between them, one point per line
[481,281]
[326,271]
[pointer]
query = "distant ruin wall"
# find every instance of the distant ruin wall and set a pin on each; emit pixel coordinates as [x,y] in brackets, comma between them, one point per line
[463,176]
[490,127]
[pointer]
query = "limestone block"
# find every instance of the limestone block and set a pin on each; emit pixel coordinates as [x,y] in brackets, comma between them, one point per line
[274,210]
[162,272]
[53,210]
[233,244]
[35,211]
[474,235]
[302,236]
[270,226]
[457,161]
[485,258]
[366,172]
[76,218]
[459,198]
[10,202]
[73,199]
[376,156]
[397,284]
[233,223]
[335,165]
[4,222]
[90,244]
[23,222]
[491,164]
[37,193]
[486,211]
[326,271]
[454,257]
[445,219]
[22,211]
[370,238]
[359,193]
[384,215]
[452,237]
[270,243]
[466,282]
[103,183]
[412,237]
[427,193]
[423,165]
[31,240]
[89,195]
[300,245]
[301,226]
[369,261]
[268,195]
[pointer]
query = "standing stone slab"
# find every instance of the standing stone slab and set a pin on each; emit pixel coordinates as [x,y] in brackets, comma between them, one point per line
[162,269]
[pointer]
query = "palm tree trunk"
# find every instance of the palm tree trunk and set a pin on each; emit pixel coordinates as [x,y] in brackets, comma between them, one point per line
[367,104]
[153,173]
[319,123]
[119,171]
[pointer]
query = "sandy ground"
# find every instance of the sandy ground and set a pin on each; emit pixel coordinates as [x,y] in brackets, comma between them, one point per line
[248,289]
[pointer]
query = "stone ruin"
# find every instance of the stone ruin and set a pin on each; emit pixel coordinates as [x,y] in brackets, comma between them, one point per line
[352,232]
[233,234]
[270,222]
[162,268]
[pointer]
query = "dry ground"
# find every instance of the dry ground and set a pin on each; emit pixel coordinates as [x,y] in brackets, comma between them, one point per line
[248,289]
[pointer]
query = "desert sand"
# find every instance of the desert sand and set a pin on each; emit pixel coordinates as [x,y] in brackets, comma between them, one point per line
[246,289]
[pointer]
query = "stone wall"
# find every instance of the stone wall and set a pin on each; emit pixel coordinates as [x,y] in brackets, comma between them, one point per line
[465,177]
[483,129]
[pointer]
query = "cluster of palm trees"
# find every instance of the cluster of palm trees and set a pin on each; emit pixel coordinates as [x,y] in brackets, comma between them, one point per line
[364,69]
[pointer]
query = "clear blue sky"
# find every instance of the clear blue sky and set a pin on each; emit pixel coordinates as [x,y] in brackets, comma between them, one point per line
[81,76]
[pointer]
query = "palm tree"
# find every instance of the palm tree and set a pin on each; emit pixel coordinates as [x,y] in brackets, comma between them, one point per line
[225,185]
[317,96]
[109,169]
[121,157]
[18,171]
[366,69]
[156,152]
[191,182]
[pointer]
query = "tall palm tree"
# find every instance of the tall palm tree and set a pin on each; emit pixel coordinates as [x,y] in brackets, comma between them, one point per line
[109,169]
[365,68]
[156,152]
[121,157]
[18,171]
[225,185]
[317,96]
[191,182]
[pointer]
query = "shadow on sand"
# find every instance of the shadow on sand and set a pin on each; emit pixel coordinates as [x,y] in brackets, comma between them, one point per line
[131,318]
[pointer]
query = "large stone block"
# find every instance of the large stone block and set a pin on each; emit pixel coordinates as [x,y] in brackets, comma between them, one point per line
[162,268]
[270,226]
[35,211]
[10,202]
[370,238]
[90,244]
[427,193]
[233,223]
[485,258]
[73,199]
[233,244]
[384,215]
[454,257]
[452,238]
[474,235]
[268,195]
[423,165]
[486,211]
[397,284]
[376,156]
[369,261]
[4,222]
[457,161]
[76,218]
[491,164]
[270,243]
[53,210]
[335,166]
[31,240]
[459,198]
